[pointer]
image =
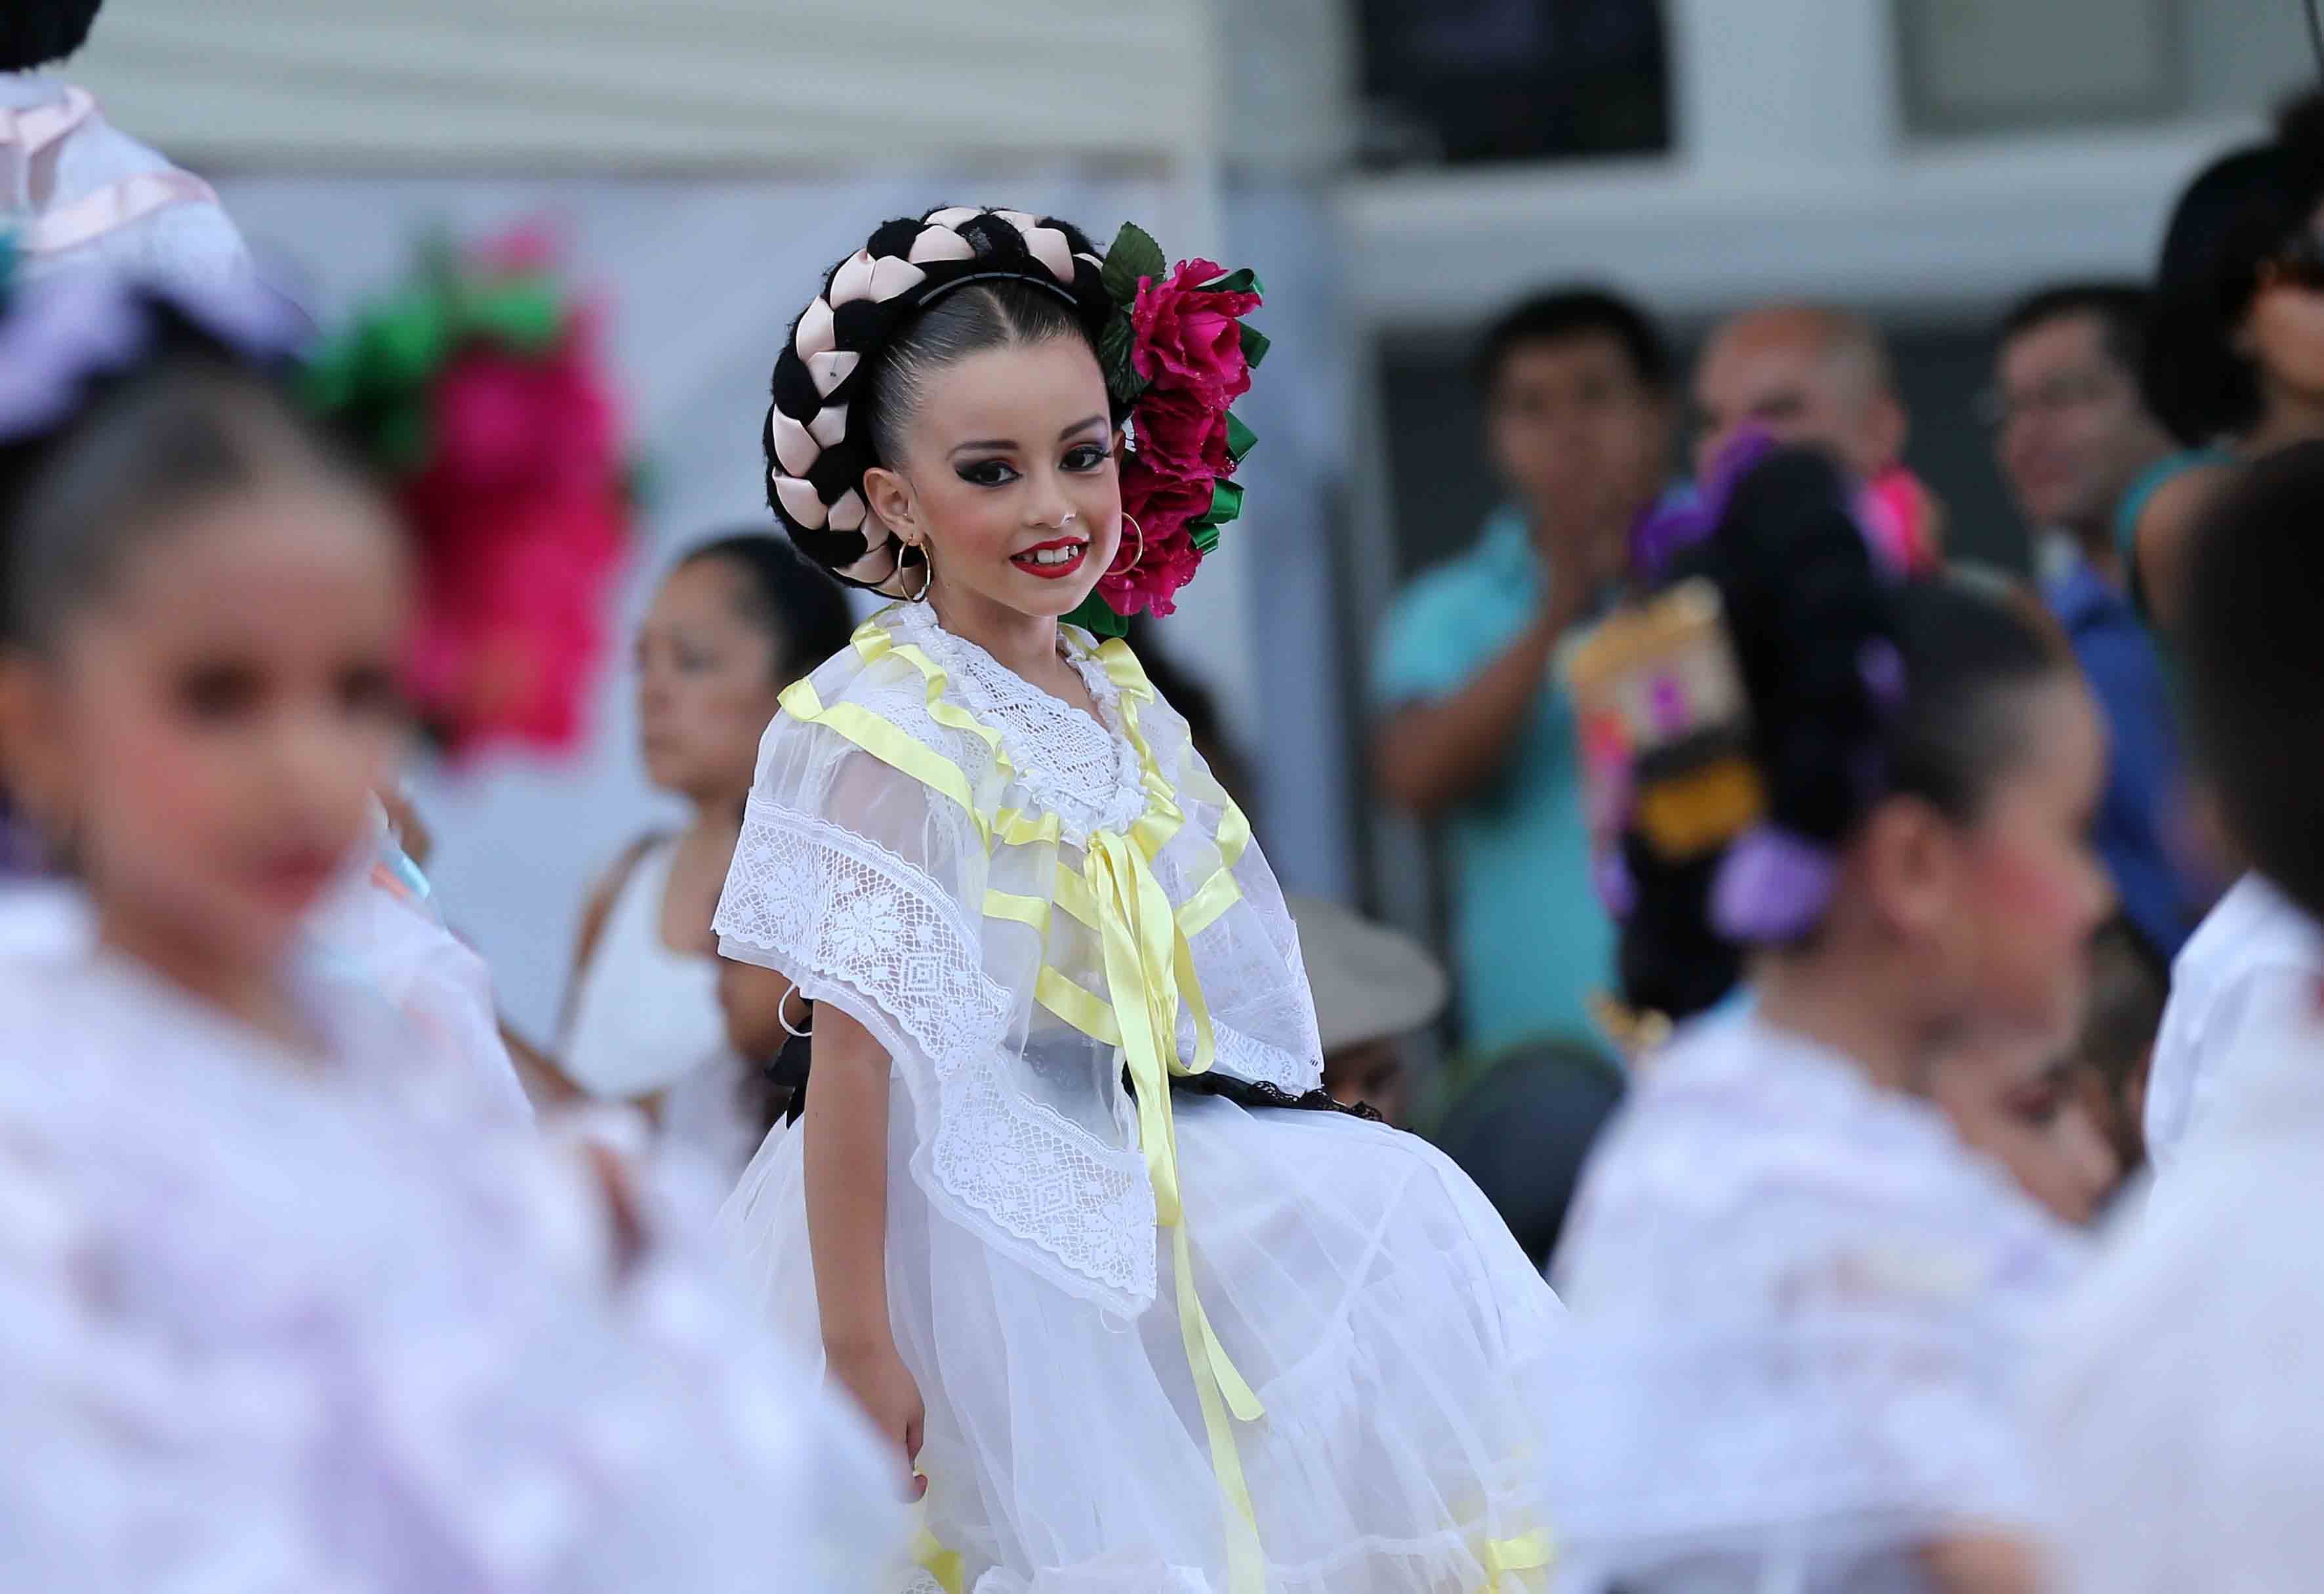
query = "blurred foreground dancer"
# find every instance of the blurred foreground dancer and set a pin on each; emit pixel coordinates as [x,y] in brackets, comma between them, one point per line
[280,1309]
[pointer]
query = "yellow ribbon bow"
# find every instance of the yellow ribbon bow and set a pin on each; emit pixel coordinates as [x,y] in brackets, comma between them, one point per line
[1150,974]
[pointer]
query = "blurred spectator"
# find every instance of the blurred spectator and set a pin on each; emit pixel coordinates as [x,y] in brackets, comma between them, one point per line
[1477,733]
[1205,726]
[76,190]
[733,624]
[1808,373]
[2073,436]
[1374,990]
[2041,1130]
[1522,1130]
[2128,987]
[2235,360]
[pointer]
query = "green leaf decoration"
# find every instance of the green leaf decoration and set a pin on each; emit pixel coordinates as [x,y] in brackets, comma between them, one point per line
[1134,254]
[1255,345]
[1240,438]
[1113,349]
[523,313]
[1097,617]
[1204,536]
[1245,281]
[407,340]
[401,433]
[1226,502]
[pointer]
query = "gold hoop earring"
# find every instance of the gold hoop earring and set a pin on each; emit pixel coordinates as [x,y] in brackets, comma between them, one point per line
[1134,526]
[927,575]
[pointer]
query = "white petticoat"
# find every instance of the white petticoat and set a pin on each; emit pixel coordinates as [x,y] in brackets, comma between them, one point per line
[1374,1299]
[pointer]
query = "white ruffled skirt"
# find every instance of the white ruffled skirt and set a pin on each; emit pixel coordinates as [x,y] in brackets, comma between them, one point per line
[1360,1281]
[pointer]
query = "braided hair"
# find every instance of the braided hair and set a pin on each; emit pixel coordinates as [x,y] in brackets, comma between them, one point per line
[1860,688]
[919,295]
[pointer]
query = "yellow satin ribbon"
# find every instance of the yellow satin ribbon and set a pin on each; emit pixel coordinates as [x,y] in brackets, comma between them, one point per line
[950,1572]
[1149,976]
[1149,973]
[1532,1552]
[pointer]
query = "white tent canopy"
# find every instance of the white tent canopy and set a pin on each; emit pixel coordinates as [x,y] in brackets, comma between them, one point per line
[682,85]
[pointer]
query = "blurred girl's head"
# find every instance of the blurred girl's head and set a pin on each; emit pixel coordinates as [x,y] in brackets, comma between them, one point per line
[2029,1115]
[204,611]
[733,624]
[1930,762]
[2238,320]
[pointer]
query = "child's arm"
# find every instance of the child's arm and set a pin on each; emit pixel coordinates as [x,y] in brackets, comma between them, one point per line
[846,1157]
[1982,1561]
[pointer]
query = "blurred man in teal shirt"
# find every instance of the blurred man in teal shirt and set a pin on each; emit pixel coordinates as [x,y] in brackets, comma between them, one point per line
[1475,735]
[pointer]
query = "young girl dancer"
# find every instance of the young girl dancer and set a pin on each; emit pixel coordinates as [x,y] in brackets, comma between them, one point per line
[1796,1294]
[279,1308]
[1140,1326]
[2180,1404]
[737,622]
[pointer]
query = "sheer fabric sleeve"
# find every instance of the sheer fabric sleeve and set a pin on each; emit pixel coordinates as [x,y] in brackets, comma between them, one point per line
[881,869]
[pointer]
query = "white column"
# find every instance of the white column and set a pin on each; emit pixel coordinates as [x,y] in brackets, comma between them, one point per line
[1784,83]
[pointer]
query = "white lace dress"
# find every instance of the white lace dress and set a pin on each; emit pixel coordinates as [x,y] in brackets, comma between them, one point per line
[284,1327]
[1019,902]
[1802,1314]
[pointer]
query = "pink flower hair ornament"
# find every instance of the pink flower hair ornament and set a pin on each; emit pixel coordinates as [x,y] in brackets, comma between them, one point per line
[1177,352]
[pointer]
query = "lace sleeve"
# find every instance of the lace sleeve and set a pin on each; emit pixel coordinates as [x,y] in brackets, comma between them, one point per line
[855,882]
[868,884]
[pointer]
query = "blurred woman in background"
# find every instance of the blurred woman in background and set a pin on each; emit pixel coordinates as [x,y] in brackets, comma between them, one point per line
[734,622]
[2235,360]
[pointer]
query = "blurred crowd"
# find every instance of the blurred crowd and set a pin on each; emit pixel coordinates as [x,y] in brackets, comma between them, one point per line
[2128,419]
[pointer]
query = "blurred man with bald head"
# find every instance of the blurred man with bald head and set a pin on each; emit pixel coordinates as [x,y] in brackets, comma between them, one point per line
[1810,374]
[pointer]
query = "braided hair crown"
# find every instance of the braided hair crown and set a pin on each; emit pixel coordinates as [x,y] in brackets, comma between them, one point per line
[817,443]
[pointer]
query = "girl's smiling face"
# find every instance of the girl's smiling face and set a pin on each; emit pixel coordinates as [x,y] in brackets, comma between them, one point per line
[1007,480]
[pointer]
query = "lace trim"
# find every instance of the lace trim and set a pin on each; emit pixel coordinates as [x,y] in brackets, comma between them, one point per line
[840,913]
[1048,1182]
[1085,772]
[847,909]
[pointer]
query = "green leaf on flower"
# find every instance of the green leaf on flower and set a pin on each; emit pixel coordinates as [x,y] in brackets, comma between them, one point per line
[402,435]
[1245,281]
[1240,438]
[1134,254]
[1204,536]
[1096,617]
[1113,351]
[523,314]
[1226,502]
[1255,345]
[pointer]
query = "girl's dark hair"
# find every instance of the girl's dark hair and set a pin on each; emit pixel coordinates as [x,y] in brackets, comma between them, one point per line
[1009,313]
[192,421]
[2254,645]
[1815,629]
[2230,221]
[37,32]
[845,403]
[805,610]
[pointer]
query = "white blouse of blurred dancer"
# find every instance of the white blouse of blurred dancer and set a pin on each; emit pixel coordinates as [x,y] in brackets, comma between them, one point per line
[79,191]
[731,625]
[280,1309]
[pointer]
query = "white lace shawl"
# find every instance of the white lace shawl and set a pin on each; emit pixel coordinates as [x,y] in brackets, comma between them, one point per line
[1800,1311]
[914,841]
